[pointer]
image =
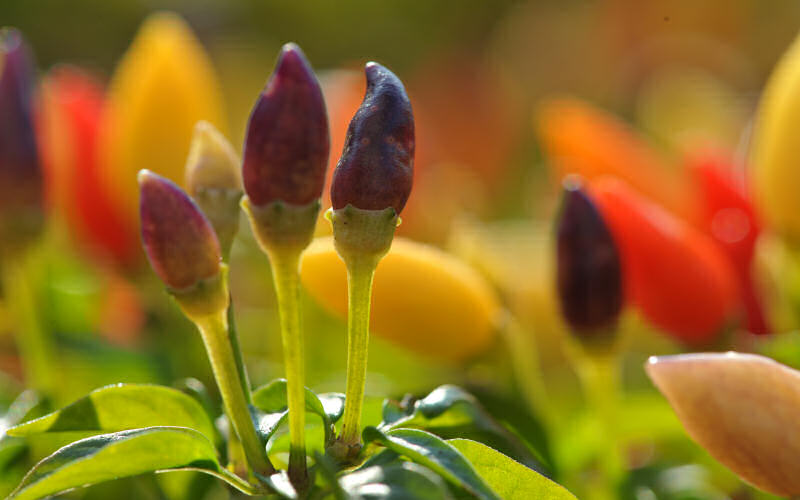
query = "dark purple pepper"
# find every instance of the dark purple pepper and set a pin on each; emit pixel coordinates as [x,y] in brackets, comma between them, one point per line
[376,169]
[287,145]
[589,269]
[179,241]
[20,173]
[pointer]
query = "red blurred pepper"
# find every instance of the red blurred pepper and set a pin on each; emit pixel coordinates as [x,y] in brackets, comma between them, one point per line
[677,277]
[726,214]
[71,111]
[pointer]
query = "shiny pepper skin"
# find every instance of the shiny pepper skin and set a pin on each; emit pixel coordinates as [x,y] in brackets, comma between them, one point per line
[376,169]
[589,269]
[287,145]
[675,275]
[180,242]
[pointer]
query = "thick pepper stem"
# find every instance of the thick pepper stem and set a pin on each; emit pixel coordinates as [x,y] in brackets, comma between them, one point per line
[283,231]
[599,375]
[287,286]
[214,331]
[360,274]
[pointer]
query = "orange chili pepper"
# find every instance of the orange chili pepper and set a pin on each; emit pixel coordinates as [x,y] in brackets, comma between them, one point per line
[581,139]
[675,275]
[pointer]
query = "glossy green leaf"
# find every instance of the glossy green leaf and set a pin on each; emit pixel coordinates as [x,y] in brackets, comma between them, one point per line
[514,413]
[198,391]
[333,404]
[383,457]
[122,454]
[394,482]
[26,406]
[509,478]
[431,451]
[271,399]
[449,412]
[123,407]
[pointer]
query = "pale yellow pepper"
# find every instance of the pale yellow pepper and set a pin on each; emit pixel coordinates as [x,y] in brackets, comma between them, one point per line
[424,299]
[776,148]
[163,85]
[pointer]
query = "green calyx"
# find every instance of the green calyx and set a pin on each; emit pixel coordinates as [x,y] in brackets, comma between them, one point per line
[282,225]
[360,233]
[205,298]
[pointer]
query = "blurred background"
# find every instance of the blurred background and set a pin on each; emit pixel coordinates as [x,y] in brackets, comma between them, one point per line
[658,82]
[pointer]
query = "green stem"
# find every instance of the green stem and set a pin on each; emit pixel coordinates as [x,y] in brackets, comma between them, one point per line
[360,272]
[233,337]
[285,270]
[527,370]
[236,457]
[599,375]
[31,339]
[214,330]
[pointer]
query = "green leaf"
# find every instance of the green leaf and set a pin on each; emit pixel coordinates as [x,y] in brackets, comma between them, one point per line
[198,391]
[394,482]
[383,457]
[450,412]
[509,478]
[271,399]
[123,407]
[26,406]
[514,414]
[123,454]
[333,404]
[431,451]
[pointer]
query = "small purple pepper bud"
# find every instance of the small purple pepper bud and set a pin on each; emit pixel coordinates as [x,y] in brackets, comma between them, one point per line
[376,169]
[589,269]
[179,241]
[287,145]
[20,173]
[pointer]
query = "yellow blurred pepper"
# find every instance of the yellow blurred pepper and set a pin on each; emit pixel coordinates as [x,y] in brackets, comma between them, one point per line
[164,84]
[776,149]
[423,299]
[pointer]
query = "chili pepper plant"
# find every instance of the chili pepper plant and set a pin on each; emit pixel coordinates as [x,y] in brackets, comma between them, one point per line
[418,450]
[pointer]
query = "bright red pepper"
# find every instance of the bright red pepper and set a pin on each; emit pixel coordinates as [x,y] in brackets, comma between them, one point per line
[71,111]
[675,275]
[726,214]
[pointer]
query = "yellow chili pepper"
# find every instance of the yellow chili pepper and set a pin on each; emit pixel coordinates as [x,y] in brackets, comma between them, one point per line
[163,85]
[423,298]
[776,150]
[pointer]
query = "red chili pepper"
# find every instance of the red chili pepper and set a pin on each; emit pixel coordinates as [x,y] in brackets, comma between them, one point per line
[675,275]
[71,111]
[727,215]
